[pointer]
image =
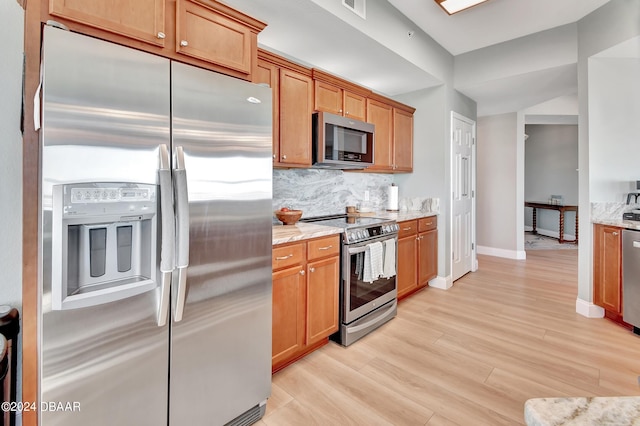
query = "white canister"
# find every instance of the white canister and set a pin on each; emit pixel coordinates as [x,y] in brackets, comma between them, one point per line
[392,197]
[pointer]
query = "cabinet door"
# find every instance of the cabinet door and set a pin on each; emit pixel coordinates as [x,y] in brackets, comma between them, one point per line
[608,268]
[407,265]
[267,73]
[328,98]
[322,298]
[381,115]
[137,19]
[355,106]
[403,140]
[428,256]
[296,102]
[204,34]
[288,313]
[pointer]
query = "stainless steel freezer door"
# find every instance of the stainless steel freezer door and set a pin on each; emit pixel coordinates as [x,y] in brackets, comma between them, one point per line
[105,112]
[221,347]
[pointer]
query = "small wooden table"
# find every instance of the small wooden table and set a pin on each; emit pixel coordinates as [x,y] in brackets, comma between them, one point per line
[559,208]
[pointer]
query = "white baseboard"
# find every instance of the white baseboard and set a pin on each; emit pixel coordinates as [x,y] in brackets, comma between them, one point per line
[588,309]
[443,283]
[549,233]
[509,254]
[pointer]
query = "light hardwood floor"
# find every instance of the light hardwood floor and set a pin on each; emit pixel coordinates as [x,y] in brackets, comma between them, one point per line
[471,355]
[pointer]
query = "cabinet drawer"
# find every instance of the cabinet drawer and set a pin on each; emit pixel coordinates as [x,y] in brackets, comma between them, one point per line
[427,223]
[407,228]
[289,255]
[323,247]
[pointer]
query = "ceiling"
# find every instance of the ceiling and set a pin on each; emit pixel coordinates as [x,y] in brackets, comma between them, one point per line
[321,34]
[494,21]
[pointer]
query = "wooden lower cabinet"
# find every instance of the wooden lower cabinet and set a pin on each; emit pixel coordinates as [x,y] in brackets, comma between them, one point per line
[305,297]
[417,254]
[288,313]
[322,299]
[407,281]
[607,275]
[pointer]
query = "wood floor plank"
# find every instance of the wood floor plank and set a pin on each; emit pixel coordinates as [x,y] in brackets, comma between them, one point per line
[471,355]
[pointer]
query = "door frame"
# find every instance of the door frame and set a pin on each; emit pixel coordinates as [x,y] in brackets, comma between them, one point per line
[474,257]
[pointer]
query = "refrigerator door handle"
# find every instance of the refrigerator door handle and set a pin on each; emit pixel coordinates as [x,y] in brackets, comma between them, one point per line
[167,249]
[182,231]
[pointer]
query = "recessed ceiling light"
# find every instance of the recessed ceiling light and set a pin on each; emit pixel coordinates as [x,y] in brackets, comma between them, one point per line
[455,6]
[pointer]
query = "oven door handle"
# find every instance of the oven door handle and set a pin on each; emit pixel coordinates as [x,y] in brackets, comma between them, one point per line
[357,250]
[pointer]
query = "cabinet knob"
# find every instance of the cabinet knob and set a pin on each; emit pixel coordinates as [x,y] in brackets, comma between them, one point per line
[184,43]
[161,35]
[340,111]
[274,156]
[614,233]
[312,269]
[301,272]
[284,157]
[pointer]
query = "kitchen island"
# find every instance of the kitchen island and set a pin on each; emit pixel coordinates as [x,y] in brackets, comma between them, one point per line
[583,411]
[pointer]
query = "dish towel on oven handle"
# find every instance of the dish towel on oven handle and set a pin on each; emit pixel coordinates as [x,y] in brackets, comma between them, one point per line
[373,263]
[389,266]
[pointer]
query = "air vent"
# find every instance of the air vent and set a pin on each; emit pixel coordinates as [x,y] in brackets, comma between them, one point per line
[356,6]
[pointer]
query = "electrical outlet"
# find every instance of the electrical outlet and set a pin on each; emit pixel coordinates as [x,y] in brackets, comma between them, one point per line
[366,195]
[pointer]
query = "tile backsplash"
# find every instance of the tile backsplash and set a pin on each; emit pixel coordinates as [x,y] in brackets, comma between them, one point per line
[321,192]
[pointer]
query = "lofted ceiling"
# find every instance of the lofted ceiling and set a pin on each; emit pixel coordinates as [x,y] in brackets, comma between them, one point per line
[494,21]
[320,33]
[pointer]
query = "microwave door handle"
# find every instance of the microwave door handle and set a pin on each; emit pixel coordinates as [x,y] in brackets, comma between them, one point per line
[182,232]
[167,249]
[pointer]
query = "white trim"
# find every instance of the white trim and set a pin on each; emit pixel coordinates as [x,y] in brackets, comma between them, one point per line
[588,309]
[497,252]
[443,283]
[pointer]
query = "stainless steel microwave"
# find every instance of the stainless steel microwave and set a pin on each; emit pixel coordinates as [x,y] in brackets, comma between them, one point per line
[341,142]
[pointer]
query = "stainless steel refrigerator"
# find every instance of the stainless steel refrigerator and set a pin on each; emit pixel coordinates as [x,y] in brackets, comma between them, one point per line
[155,239]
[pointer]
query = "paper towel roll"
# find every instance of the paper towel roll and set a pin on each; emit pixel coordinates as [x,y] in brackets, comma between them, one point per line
[392,198]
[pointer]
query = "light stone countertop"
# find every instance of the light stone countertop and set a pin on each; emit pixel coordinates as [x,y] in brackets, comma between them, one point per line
[591,411]
[304,231]
[405,215]
[627,224]
[301,231]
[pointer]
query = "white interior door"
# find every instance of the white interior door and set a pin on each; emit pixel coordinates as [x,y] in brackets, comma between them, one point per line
[463,195]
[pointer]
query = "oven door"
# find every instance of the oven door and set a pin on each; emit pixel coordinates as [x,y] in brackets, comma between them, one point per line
[360,297]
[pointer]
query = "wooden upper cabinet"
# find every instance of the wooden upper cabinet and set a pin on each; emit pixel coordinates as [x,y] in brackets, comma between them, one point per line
[204,33]
[328,98]
[296,104]
[268,73]
[338,96]
[141,20]
[355,106]
[207,31]
[381,115]
[403,140]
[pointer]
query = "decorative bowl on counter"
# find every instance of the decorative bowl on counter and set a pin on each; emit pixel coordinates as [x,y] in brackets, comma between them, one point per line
[288,217]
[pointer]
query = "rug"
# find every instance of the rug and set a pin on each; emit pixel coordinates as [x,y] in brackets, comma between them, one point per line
[542,242]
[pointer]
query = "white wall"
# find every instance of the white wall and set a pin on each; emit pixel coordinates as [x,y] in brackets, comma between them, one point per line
[614,126]
[500,185]
[613,23]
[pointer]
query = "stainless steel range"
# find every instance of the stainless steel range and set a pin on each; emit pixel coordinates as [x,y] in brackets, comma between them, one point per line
[368,292]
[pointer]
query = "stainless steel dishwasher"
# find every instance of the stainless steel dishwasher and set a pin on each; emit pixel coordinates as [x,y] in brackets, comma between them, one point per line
[631,278]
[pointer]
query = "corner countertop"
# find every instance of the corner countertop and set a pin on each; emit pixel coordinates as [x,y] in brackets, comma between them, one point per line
[626,224]
[585,411]
[301,231]
[304,231]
